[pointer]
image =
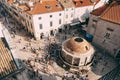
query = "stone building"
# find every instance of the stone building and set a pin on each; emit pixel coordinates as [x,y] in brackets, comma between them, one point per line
[8,66]
[104,25]
[77,53]
[46,17]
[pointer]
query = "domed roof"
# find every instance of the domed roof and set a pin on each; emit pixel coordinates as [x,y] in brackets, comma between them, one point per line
[77,45]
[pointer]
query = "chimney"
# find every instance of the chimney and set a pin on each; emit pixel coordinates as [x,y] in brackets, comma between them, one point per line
[40,1]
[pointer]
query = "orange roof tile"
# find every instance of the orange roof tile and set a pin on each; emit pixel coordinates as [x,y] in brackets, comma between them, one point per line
[81,3]
[7,62]
[40,8]
[110,13]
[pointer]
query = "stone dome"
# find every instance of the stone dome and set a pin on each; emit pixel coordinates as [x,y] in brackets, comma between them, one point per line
[77,45]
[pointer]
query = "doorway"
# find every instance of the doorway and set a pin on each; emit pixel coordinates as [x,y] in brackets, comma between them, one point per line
[52,33]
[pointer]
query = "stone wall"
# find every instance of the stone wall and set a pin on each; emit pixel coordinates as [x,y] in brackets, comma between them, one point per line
[106,34]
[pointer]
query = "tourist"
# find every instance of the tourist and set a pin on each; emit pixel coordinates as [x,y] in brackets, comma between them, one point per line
[73,77]
[40,77]
[66,76]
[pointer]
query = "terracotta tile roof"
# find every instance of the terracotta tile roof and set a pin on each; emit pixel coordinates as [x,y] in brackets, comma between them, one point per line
[24,7]
[110,13]
[7,64]
[81,3]
[46,7]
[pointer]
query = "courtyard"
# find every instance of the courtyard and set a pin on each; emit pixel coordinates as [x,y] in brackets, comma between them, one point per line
[40,58]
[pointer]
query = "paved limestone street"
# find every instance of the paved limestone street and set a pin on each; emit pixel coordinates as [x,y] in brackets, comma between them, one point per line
[36,55]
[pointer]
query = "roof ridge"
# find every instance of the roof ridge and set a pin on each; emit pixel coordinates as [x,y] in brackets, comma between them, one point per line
[99,7]
[98,11]
[107,8]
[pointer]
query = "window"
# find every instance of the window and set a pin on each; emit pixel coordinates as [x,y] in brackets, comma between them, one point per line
[15,14]
[10,10]
[69,59]
[109,29]
[29,17]
[66,16]
[40,26]
[108,33]
[60,14]
[94,20]
[85,61]
[58,5]
[50,16]
[86,47]
[51,33]
[48,6]
[60,30]
[31,26]
[72,9]
[59,21]
[76,61]
[28,24]
[39,18]
[51,23]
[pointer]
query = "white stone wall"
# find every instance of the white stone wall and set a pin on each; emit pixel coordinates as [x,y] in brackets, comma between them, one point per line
[1,34]
[45,21]
[69,14]
[81,13]
[67,17]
